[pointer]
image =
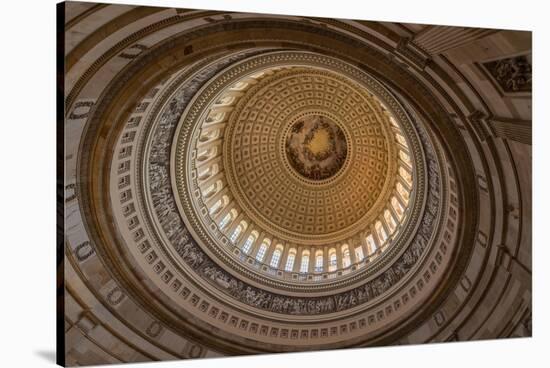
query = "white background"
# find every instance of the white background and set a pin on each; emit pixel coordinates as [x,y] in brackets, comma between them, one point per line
[27,181]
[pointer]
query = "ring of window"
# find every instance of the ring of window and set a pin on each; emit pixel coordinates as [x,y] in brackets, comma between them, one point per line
[216,197]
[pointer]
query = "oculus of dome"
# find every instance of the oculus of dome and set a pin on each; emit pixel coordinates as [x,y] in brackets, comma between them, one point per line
[316,147]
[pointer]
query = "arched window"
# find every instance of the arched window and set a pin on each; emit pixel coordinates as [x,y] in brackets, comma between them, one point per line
[405,175]
[263,249]
[249,242]
[225,100]
[405,157]
[332,262]
[239,86]
[221,203]
[259,74]
[390,221]
[381,232]
[304,265]
[401,139]
[397,207]
[276,257]
[206,172]
[215,117]
[207,153]
[216,206]
[238,230]
[209,135]
[225,221]
[231,215]
[359,253]
[346,261]
[212,189]
[290,260]
[402,192]
[371,245]
[319,261]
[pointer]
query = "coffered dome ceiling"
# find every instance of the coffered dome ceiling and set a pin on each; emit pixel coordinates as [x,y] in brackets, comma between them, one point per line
[292,185]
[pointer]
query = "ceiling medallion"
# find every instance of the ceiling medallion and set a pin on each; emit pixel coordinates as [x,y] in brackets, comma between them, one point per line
[316,147]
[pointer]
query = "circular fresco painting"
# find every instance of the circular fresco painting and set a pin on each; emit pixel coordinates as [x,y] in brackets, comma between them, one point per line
[316,147]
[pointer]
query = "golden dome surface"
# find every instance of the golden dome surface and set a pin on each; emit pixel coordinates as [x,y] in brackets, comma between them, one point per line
[265,176]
